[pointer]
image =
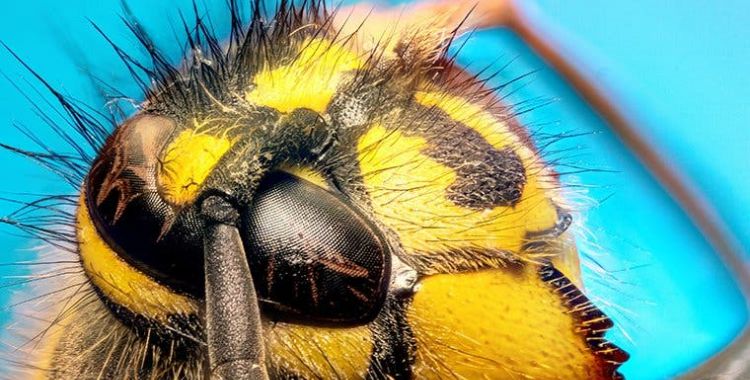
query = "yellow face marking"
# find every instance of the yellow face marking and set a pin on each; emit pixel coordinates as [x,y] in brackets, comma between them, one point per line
[123,284]
[496,324]
[408,193]
[187,162]
[321,352]
[310,81]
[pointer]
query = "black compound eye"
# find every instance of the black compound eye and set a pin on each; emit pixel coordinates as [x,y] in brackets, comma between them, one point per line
[313,256]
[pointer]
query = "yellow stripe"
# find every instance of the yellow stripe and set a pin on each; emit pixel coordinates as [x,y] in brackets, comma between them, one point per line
[188,161]
[310,81]
[121,283]
[321,352]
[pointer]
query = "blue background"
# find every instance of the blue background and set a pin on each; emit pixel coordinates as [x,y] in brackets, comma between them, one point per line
[679,68]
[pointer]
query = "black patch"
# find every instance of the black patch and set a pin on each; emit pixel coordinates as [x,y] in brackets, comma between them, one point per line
[592,322]
[394,344]
[486,177]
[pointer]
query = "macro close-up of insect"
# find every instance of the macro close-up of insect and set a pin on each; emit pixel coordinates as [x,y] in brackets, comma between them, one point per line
[315,190]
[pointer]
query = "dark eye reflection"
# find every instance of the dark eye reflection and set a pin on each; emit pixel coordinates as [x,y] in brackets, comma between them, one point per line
[314,257]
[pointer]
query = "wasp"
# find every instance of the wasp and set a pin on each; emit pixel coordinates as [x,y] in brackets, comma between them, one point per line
[315,196]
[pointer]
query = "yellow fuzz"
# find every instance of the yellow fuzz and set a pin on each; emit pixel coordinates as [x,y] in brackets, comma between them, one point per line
[315,352]
[121,283]
[496,324]
[310,81]
[187,162]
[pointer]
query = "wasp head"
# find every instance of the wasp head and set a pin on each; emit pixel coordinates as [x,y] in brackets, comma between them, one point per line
[292,204]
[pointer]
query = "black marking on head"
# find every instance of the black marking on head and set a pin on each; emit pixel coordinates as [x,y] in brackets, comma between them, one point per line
[394,346]
[486,177]
[592,322]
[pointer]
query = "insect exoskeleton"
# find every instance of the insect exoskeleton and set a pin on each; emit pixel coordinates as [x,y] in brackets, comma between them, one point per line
[300,204]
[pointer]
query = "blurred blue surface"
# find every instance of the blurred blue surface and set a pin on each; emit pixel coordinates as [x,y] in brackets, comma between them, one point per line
[680,68]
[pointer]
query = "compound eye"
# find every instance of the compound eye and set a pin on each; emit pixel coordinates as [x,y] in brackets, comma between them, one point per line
[314,257]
